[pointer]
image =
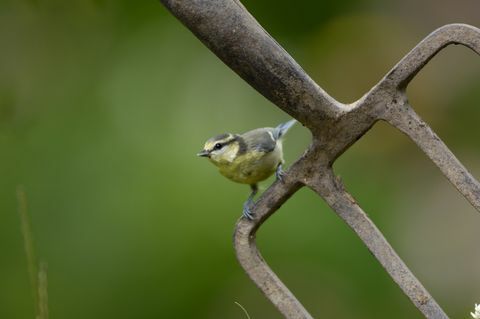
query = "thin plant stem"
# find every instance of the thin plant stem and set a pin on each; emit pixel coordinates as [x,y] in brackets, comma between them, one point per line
[28,242]
[37,274]
[244,310]
[42,291]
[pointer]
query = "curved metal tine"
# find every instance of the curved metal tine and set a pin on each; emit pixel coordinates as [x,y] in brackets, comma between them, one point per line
[332,190]
[402,73]
[407,120]
[249,256]
[397,79]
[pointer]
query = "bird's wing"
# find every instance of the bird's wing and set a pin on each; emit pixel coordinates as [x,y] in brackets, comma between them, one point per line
[261,139]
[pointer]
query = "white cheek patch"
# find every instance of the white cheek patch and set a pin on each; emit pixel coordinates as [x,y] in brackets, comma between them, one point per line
[227,154]
[230,152]
[231,156]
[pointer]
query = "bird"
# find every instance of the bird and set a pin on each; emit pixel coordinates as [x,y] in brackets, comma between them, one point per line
[249,158]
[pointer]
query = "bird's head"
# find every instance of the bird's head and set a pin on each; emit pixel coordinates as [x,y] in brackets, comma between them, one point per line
[221,149]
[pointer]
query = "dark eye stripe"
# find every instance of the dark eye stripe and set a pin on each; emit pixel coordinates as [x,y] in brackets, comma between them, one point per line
[224,143]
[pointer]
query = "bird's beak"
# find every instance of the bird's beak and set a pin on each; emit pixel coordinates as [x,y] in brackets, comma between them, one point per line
[204,153]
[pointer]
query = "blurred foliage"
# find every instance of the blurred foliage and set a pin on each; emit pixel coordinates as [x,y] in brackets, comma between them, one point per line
[103,105]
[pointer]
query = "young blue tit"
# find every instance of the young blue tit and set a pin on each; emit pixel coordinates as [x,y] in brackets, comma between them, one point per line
[248,158]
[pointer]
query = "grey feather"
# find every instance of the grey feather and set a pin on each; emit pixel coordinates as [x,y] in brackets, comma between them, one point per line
[260,139]
[265,139]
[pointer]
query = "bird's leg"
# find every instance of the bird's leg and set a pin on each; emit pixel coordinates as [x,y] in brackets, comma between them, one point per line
[279,173]
[247,213]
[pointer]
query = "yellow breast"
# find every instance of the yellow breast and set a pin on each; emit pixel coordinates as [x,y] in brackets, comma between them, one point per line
[253,166]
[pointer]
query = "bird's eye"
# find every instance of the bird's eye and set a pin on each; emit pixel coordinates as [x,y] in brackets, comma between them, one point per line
[218,146]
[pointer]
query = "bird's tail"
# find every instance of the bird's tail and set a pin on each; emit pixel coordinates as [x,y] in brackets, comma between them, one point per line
[283,128]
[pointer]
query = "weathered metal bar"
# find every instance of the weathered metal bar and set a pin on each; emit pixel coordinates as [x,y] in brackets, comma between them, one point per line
[249,256]
[332,190]
[234,36]
[230,31]
[415,60]
[407,121]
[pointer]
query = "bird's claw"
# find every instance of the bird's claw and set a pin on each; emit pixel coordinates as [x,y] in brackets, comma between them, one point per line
[247,212]
[280,173]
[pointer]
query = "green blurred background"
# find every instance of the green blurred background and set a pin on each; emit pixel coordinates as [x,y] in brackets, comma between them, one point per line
[103,105]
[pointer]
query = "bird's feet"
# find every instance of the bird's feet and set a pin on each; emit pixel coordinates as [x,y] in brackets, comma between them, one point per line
[247,206]
[247,209]
[280,173]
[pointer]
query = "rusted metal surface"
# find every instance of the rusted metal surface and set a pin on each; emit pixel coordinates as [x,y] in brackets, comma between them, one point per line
[227,29]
